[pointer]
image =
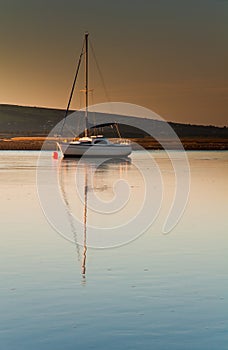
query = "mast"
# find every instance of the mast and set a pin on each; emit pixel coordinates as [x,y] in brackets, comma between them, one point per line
[86,83]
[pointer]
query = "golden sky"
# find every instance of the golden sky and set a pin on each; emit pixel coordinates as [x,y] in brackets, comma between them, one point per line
[168,55]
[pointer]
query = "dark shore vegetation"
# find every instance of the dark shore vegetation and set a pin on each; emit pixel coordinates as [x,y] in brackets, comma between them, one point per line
[26,128]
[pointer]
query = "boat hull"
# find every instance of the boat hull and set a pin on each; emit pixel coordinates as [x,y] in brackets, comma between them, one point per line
[79,150]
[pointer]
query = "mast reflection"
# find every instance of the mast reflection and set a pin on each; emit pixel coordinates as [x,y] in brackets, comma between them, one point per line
[66,168]
[85,223]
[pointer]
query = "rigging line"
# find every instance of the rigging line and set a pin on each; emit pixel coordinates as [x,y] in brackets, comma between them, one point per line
[117,129]
[93,113]
[70,131]
[99,71]
[73,86]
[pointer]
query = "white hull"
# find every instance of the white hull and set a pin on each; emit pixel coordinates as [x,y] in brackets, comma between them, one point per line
[97,150]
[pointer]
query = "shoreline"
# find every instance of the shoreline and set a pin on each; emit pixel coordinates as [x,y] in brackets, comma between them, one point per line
[35,143]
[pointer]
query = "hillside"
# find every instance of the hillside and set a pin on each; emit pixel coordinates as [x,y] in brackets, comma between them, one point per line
[20,121]
[27,121]
[32,121]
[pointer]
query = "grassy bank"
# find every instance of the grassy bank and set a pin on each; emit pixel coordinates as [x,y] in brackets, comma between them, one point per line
[35,143]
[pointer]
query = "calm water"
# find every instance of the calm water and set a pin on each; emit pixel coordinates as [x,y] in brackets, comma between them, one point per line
[157,292]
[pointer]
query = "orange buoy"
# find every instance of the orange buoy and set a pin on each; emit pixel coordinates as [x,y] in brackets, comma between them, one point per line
[55,155]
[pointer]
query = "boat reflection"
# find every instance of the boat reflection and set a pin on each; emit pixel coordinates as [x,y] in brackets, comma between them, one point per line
[99,163]
[93,172]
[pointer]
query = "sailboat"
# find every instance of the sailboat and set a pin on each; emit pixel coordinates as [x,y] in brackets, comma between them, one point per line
[91,146]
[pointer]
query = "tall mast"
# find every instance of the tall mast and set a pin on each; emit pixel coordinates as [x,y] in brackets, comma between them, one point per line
[86,83]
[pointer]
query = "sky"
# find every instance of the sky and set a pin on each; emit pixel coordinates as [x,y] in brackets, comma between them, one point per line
[170,56]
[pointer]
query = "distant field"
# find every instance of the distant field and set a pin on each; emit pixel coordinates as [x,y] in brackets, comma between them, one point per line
[35,143]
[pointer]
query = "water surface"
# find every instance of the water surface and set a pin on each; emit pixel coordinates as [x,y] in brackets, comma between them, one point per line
[159,291]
